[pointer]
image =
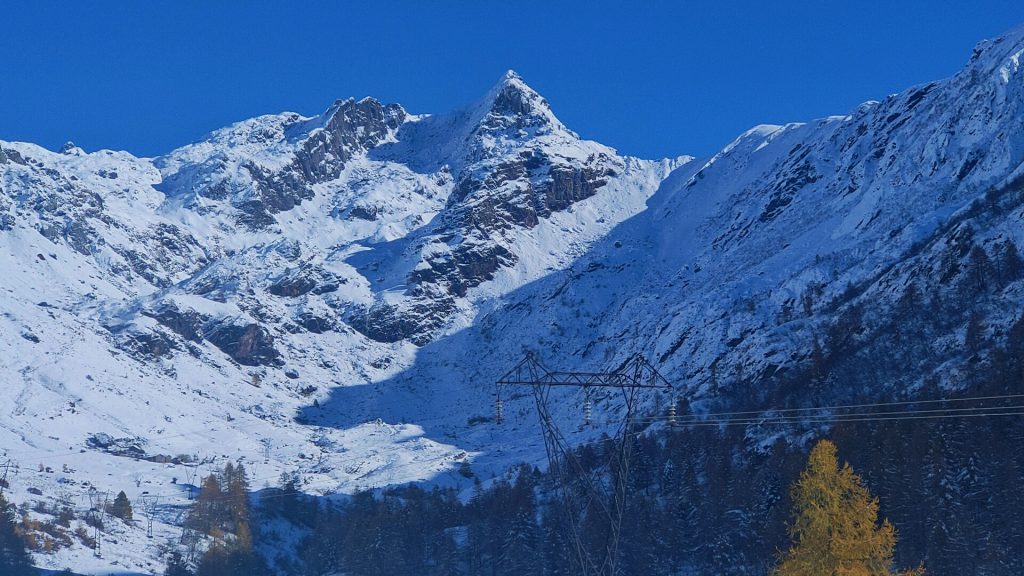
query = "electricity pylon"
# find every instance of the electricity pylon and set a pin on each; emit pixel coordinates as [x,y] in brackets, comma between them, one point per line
[582,491]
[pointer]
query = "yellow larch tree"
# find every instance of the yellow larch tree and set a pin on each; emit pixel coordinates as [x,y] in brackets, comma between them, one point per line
[835,530]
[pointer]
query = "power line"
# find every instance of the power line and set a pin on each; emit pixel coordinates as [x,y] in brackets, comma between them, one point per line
[769,414]
[755,422]
[871,405]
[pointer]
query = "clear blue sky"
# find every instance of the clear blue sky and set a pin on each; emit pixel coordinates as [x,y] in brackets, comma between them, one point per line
[649,78]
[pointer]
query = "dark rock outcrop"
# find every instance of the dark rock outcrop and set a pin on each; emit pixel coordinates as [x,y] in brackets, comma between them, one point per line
[304,280]
[327,143]
[416,321]
[186,323]
[248,344]
[466,266]
[352,127]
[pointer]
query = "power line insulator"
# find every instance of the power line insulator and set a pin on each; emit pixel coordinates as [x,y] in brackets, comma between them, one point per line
[672,413]
[588,410]
[499,411]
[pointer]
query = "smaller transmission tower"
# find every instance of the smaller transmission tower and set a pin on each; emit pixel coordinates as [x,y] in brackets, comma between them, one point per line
[149,505]
[98,511]
[6,467]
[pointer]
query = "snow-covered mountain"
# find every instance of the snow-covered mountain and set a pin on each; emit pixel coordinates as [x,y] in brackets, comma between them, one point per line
[191,306]
[335,296]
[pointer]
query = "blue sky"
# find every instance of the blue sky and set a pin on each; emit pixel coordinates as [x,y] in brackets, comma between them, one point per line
[650,78]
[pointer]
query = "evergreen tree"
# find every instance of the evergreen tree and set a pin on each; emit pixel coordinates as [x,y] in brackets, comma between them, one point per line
[177,566]
[835,530]
[121,508]
[222,560]
[520,550]
[445,558]
[979,269]
[975,333]
[1011,265]
[14,558]
[818,370]
[286,501]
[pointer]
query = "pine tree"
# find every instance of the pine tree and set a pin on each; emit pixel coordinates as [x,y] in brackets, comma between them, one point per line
[557,552]
[287,501]
[223,561]
[975,333]
[909,303]
[835,530]
[818,369]
[1011,265]
[121,508]
[177,566]
[520,551]
[445,556]
[979,269]
[14,558]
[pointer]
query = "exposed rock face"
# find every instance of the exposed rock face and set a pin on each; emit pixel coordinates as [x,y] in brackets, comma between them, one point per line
[514,196]
[351,128]
[279,158]
[150,345]
[70,149]
[186,323]
[247,344]
[305,280]
[416,320]
[470,263]
[70,200]
[10,156]
[316,323]
[520,191]
[514,106]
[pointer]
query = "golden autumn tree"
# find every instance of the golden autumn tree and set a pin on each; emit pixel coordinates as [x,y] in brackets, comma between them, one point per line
[835,530]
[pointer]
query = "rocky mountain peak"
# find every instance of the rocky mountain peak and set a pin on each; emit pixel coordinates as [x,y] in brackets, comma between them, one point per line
[513,104]
[71,149]
[1004,51]
[347,128]
[367,112]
